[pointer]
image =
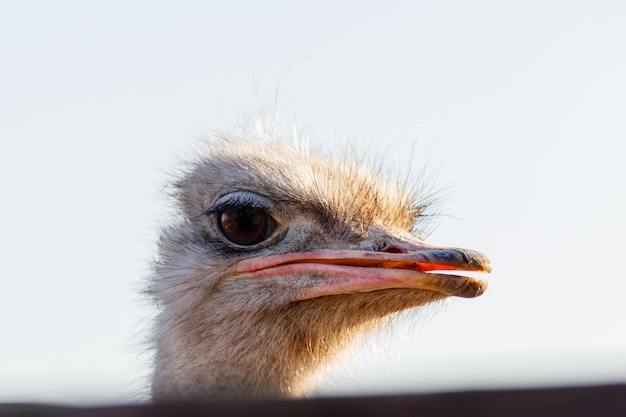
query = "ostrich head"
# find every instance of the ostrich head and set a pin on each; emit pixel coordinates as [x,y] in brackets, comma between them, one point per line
[279,258]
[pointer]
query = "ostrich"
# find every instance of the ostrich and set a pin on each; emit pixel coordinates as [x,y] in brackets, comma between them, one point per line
[279,259]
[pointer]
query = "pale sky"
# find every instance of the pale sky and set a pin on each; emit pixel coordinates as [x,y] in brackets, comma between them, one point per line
[518,108]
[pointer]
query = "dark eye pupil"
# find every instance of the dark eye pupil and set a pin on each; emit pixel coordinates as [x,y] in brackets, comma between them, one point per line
[245,225]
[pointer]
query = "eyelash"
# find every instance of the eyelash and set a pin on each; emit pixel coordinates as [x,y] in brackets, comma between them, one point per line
[238,203]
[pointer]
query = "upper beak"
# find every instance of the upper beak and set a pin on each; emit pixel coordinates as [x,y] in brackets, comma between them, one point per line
[405,263]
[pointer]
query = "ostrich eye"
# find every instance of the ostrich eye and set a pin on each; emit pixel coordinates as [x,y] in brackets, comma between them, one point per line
[245,226]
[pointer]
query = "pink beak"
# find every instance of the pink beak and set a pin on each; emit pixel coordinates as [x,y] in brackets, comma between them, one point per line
[406,264]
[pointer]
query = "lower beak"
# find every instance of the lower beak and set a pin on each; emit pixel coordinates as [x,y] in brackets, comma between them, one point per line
[409,264]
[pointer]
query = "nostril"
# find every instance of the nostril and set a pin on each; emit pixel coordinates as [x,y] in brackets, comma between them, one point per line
[393,249]
[384,245]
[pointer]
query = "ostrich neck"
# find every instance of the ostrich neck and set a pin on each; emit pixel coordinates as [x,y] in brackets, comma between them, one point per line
[245,355]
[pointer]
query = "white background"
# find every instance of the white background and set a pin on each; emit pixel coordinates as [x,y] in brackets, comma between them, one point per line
[518,108]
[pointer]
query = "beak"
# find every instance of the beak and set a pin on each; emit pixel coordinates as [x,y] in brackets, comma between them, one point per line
[405,263]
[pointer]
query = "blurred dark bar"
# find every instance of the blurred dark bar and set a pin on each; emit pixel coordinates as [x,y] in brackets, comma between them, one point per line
[597,401]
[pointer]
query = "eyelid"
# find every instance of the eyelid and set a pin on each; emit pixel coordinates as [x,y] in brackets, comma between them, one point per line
[240,200]
[236,204]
